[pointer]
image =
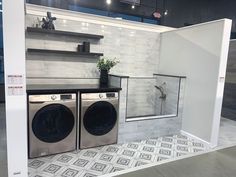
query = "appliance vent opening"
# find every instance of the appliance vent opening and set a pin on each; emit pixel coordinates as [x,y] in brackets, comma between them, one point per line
[132,2]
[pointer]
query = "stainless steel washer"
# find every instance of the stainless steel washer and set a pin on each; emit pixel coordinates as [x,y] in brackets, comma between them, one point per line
[99,119]
[51,124]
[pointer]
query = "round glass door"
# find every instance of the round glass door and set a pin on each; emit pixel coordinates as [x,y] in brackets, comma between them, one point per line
[53,123]
[100,118]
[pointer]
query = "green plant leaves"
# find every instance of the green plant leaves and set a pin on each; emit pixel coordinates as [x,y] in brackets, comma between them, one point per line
[106,63]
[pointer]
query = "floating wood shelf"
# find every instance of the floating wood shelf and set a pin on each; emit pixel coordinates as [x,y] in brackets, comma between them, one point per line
[30,50]
[65,33]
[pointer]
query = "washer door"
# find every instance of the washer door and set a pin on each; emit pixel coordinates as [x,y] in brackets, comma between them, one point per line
[100,118]
[53,123]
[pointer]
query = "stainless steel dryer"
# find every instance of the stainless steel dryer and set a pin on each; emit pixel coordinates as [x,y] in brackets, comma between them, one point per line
[99,119]
[51,124]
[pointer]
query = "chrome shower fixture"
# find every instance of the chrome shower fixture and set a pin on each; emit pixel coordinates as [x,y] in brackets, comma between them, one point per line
[162,91]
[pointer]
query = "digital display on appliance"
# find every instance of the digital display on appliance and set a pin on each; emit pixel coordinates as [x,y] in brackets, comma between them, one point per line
[110,95]
[66,97]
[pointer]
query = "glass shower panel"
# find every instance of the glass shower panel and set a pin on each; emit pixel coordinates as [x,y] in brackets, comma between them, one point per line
[141,100]
[168,95]
[152,97]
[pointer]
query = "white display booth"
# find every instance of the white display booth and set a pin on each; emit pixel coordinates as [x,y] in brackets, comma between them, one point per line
[198,52]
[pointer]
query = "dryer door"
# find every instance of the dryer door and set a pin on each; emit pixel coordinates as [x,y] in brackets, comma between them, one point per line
[100,118]
[53,123]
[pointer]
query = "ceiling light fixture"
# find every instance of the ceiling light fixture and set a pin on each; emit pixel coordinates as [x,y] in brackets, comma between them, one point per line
[166,12]
[108,2]
[133,6]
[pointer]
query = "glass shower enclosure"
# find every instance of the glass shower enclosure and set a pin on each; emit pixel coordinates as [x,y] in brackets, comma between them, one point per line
[153,97]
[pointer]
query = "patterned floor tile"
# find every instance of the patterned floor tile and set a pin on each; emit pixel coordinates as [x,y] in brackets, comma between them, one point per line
[90,154]
[64,159]
[148,149]
[161,158]
[151,142]
[178,154]
[133,146]
[183,142]
[129,153]
[81,162]
[168,139]
[99,167]
[197,150]
[123,161]
[107,159]
[35,164]
[70,172]
[112,149]
[138,163]
[114,169]
[88,174]
[166,145]
[166,152]
[52,169]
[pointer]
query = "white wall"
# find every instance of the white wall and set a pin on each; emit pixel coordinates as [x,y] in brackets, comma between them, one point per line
[200,53]
[14,62]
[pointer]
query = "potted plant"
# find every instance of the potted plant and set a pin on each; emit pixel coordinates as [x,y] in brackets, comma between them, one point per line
[104,65]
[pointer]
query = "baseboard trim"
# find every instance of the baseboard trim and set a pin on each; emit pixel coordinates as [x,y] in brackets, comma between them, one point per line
[197,138]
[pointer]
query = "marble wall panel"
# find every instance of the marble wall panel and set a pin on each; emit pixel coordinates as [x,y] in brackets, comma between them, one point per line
[137,50]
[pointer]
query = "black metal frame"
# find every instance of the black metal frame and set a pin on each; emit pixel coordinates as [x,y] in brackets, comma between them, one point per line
[129,119]
[168,75]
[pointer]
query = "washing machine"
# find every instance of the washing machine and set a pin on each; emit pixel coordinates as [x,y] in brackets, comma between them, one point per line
[51,124]
[98,119]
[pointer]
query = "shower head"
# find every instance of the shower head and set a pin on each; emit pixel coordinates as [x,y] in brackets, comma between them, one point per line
[161,89]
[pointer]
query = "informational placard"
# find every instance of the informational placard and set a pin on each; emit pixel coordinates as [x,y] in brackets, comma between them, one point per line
[15,85]
[15,90]
[14,79]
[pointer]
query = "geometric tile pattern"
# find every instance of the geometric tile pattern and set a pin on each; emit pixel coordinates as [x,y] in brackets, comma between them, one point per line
[112,158]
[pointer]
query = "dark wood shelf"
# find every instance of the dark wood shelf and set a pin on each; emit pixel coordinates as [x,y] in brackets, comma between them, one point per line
[30,50]
[65,33]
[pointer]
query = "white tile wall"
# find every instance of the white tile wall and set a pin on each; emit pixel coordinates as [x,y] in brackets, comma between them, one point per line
[138,51]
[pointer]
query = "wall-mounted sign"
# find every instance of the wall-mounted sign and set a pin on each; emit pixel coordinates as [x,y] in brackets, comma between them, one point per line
[15,90]
[15,85]
[14,79]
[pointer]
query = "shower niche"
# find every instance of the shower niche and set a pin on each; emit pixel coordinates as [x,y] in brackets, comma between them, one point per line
[153,97]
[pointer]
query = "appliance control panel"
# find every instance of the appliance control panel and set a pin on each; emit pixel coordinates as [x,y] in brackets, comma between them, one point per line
[52,97]
[66,97]
[111,95]
[97,96]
